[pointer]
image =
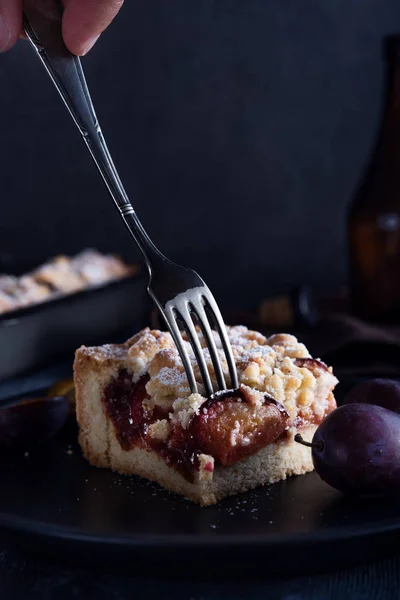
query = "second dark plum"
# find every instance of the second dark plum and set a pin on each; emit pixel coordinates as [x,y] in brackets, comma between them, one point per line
[382,392]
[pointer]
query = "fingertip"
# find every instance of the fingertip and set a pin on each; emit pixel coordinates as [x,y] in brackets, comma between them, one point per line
[85,20]
[77,47]
[7,40]
[8,36]
[71,35]
[89,45]
[10,23]
[5,35]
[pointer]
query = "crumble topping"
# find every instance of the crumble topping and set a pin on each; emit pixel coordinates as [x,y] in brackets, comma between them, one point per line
[160,430]
[279,366]
[148,345]
[184,409]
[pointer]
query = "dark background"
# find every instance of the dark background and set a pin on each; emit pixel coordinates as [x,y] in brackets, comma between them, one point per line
[239,128]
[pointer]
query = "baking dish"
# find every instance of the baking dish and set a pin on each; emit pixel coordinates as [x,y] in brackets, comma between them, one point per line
[45,332]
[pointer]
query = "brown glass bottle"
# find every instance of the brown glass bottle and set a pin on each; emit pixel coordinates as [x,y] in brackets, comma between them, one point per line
[374,219]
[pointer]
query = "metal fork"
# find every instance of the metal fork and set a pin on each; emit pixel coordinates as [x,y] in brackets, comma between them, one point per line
[180,294]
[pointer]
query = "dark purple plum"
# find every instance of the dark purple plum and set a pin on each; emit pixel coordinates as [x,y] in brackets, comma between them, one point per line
[382,392]
[27,423]
[356,449]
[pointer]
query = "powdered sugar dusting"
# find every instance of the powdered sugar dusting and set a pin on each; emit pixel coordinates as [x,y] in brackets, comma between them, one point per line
[107,351]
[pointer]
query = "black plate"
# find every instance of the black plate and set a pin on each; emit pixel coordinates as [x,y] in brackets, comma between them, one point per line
[53,501]
[39,334]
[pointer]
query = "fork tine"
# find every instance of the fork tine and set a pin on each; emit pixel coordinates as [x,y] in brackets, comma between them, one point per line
[184,314]
[211,304]
[200,313]
[169,316]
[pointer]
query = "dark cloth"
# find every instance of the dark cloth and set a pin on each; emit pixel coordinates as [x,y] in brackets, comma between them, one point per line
[355,348]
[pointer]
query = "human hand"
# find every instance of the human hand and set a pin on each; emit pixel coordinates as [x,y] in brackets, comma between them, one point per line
[83,22]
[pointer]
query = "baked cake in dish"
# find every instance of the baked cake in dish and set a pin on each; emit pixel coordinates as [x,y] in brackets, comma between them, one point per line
[136,413]
[59,276]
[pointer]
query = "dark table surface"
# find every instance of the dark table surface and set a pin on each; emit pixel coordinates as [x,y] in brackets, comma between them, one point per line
[31,576]
[25,577]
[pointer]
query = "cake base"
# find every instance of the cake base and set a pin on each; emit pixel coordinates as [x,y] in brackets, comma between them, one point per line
[271,464]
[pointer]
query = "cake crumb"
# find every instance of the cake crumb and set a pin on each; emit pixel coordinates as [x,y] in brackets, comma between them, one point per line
[160,430]
[206,467]
[186,408]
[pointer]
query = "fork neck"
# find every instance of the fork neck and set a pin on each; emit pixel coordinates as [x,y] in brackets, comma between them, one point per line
[149,250]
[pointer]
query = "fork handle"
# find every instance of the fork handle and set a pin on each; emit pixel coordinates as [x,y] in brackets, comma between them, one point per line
[42,24]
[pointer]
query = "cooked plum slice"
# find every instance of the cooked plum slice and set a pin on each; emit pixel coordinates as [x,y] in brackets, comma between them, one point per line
[230,429]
